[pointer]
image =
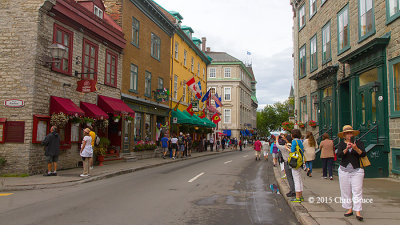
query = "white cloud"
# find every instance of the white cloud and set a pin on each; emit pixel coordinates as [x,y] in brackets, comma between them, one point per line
[263,27]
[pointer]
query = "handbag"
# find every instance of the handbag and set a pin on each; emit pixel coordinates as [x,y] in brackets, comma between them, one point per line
[364,162]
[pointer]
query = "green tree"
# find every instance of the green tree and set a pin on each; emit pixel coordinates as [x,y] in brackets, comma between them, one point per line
[272,117]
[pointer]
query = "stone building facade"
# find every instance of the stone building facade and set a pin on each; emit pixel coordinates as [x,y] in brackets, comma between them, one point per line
[232,80]
[346,66]
[27,29]
[146,65]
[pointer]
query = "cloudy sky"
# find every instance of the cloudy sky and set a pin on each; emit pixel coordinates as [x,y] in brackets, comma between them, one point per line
[262,27]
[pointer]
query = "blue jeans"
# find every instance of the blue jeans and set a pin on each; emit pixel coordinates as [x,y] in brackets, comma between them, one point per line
[327,164]
[309,165]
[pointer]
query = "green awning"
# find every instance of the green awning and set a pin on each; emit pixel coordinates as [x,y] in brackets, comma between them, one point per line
[182,117]
[195,120]
[209,122]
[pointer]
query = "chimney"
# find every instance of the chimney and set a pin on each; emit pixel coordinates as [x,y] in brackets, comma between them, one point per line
[203,44]
[208,49]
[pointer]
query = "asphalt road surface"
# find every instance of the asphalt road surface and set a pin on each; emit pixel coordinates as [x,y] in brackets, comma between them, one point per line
[229,188]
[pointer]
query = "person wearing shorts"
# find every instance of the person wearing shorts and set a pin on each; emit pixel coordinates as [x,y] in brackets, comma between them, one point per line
[52,150]
[164,145]
[181,143]
[174,145]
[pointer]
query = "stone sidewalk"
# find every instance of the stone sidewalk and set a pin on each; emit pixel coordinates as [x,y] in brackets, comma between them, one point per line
[321,205]
[71,177]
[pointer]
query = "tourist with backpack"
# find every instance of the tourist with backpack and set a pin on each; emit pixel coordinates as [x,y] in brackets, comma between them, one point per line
[257,148]
[181,143]
[284,144]
[296,162]
[274,152]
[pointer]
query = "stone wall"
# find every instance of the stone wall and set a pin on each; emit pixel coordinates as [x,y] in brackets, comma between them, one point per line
[24,75]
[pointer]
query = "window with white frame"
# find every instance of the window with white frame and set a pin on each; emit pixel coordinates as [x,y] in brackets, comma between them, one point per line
[212,92]
[98,12]
[147,84]
[184,94]
[155,46]
[213,73]
[343,30]
[160,83]
[313,7]
[227,72]
[227,93]
[192,68]
[175,87]
[326,43]
[227,115]
[176,50]
[134,77]
[392,9]
[366,17]
[302,17]
[204,73]
[313,53]
[184,57]
[198,69]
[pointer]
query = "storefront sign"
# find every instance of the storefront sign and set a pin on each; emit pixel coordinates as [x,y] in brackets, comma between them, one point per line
[86,86]
[175,120]
[161,95]
[195,105]
[14,103]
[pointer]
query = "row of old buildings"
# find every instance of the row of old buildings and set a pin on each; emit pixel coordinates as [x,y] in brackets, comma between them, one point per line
[120,65]
[346,71]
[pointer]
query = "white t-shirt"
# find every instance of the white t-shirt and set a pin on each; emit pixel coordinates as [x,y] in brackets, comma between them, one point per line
[88,150]
[174,140]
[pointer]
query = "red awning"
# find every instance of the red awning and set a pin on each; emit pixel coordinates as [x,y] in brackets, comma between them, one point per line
[93,111]
[113,105]
[3,120]
[64,105]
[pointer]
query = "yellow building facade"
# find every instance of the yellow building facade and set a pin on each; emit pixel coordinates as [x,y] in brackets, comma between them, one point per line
[187,61]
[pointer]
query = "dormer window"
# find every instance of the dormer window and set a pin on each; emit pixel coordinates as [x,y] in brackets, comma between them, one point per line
[98,12]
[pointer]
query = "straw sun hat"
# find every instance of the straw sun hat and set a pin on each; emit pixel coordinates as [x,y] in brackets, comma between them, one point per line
[348,129]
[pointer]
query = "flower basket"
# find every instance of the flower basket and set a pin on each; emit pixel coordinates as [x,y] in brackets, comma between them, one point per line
[116,118]
[301,124]
[102,124]
[88,121]
[288,126]
[129,119]
[59,120]
[312,123]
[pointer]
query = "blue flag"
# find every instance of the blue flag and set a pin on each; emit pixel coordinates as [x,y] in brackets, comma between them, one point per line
[201,93]
[206,96]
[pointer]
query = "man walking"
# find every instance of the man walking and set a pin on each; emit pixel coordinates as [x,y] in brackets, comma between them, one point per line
[164,145]
[257,148]
[212,143]
[52,150]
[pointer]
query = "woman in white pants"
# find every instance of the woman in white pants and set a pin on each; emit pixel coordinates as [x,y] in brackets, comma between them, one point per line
[351,173]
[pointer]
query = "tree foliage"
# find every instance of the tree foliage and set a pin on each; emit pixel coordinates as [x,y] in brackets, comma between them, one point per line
[272,117]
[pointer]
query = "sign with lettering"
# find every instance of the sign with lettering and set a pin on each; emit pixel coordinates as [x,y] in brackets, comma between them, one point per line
[161,95]
[86,86]
[195,105]
[14,103]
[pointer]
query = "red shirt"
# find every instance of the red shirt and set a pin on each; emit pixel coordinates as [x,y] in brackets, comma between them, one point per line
[257,146]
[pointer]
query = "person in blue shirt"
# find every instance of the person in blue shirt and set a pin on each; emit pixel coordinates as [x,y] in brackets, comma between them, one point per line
[298,180]
[164,145]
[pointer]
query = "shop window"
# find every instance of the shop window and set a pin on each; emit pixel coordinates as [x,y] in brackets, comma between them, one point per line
[148,127]
[135,31]
[313,54]
[63,37]
[368,77]
[302,62]
[2,129]
[75,133]
[155,46]
[326,43]
[366,19]
[137,132]
[41,127]
[65,136]
[314,106]
[15,131]
[313,8]
[302,17]
[392,10]
[89,57]
[394,82]
[134,78]
[303,109]
[111,68]
[343,30]
[147,84]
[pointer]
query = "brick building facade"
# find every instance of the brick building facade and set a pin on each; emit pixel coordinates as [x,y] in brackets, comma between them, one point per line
[27,29]
[346,66]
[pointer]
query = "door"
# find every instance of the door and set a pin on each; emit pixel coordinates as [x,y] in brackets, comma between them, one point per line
[326,110]
[127,136]
[367,113]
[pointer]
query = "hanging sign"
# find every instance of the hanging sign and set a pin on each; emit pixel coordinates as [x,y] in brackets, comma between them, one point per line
[175,120]
[195,105]
[86,86]
[14,103]
[161,95]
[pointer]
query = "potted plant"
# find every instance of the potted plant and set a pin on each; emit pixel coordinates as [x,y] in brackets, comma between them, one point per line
[59,119]
[102,124]
[116,118]
[288,126]
[312,123]
[129,119]
[100,151]
[301,124]
[88,121]
[76,120]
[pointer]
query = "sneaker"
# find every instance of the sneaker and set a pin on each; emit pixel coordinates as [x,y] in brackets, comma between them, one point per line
[53,174]
[290,194]
[302,198]
[47,174]
[283,177]
[163,157]
[330,178]
[325,177]
[296,200]
[173,158]
[84,175]
[91,167]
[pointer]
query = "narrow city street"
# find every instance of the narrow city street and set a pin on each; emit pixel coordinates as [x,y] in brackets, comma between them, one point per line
[230,188]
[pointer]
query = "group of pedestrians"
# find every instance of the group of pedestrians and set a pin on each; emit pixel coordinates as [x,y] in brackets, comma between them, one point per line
[52,151]
[351,171]
[178,145]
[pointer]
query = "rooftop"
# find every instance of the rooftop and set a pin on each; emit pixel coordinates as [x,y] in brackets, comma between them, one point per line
[222,57]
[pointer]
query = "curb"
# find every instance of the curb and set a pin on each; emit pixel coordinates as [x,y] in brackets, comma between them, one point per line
[298,209]
[101,176]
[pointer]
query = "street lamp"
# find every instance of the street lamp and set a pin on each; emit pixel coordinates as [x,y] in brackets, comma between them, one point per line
[57,52]
[375,87]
